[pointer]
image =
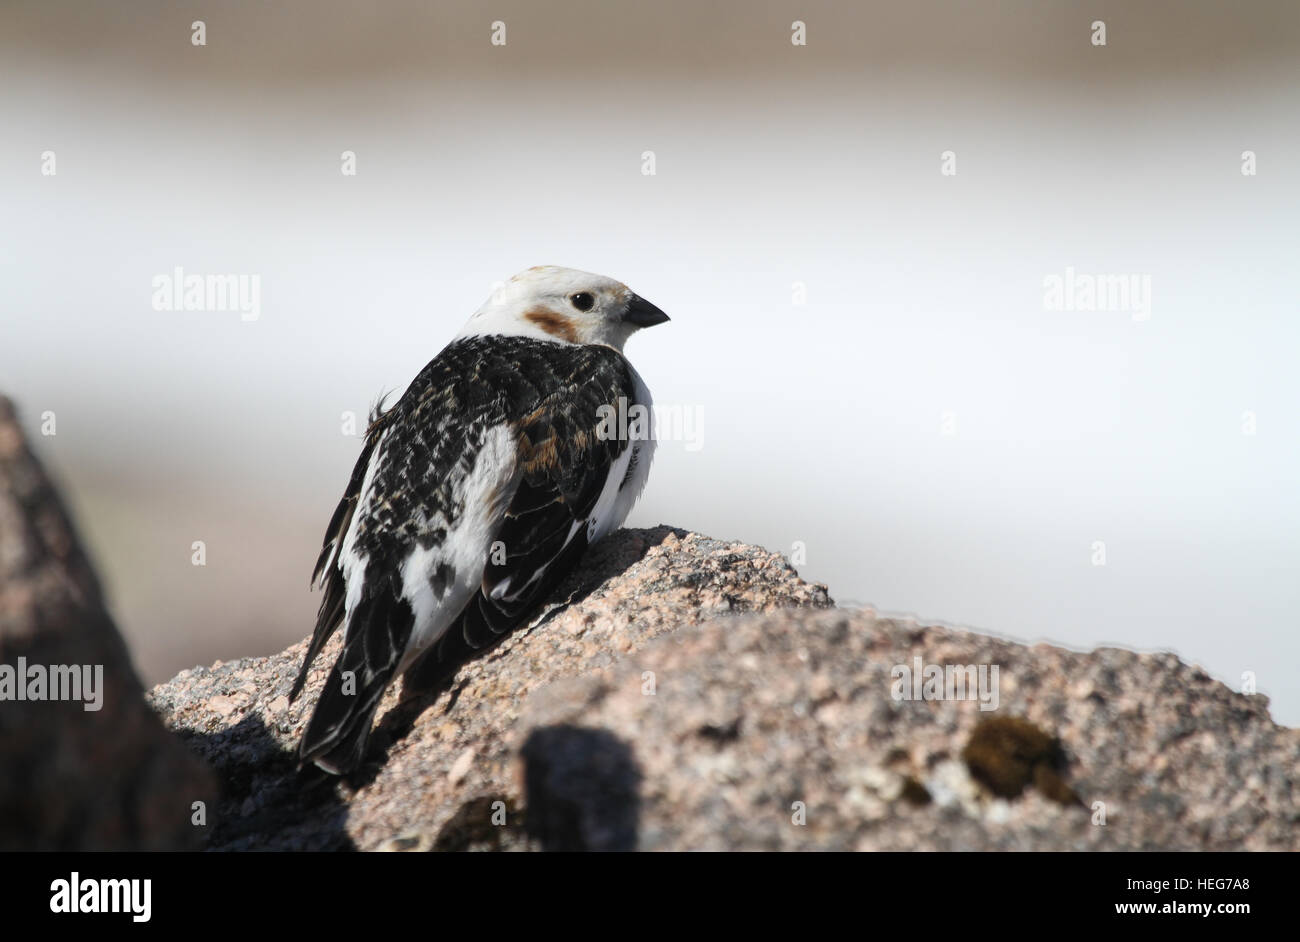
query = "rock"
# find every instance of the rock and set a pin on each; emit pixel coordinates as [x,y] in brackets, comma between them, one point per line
[645,709]
[436,759]
[110,778]
[781,733]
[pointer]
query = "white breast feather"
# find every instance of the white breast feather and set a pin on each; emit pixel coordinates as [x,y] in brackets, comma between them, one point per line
[615,501]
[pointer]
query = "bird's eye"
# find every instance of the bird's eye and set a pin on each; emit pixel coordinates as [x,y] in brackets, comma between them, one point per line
[583,301]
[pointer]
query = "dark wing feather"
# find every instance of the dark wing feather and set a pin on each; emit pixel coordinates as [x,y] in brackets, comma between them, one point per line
[336,735]
[327,573]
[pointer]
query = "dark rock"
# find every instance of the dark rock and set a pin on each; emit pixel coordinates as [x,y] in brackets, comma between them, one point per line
[75,779]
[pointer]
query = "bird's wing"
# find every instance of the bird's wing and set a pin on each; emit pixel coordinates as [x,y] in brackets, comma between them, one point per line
[571,472]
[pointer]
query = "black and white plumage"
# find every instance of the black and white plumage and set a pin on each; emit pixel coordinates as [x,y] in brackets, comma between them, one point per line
[477,492]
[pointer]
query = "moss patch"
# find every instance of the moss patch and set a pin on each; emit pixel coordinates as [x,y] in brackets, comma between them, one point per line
[1005,754]
[914,792]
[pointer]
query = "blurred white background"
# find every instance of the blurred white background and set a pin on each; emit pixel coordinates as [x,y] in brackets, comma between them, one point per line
[822,422]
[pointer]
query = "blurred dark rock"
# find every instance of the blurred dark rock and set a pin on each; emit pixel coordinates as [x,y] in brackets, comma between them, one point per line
[75,779]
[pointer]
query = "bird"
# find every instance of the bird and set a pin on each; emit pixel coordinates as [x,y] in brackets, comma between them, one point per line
[476,492]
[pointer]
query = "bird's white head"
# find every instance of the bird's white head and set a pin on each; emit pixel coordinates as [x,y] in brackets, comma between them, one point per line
[564,305]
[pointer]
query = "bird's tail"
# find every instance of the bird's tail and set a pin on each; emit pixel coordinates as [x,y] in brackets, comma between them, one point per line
[336,735]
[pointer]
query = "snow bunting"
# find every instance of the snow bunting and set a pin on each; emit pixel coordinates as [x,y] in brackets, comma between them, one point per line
[477,492]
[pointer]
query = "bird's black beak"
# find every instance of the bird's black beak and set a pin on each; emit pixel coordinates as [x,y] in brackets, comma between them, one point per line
[642,313]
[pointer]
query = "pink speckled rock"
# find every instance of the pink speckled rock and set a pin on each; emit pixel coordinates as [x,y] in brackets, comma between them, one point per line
[433,757]
[687,693]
